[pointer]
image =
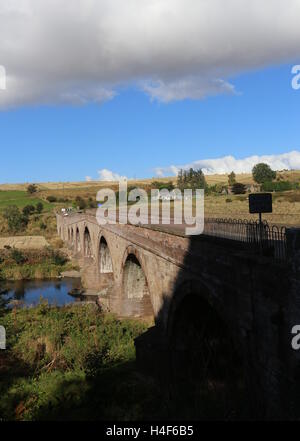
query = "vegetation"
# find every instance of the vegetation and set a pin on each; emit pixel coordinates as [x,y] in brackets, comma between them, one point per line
[51,198]
[238,188]
[231,179]
[32,264]
[28,209]
[20,199]
[163,185]
[16,221]
[80,203]
[32,188]
[191,179]
[279,186]
[73,363]
[263,173]
[39,207]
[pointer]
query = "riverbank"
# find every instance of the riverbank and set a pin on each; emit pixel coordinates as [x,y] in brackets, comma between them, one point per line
[47,263]
[73,363]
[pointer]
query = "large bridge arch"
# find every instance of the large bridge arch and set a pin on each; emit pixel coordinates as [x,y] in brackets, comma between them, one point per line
[136,298]
[205,358]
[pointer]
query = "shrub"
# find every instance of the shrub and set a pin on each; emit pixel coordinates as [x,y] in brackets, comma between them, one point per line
[18,256]
[32,188]
[80,203]
[39,207]
[277,186]
[16,221]
[263,173]
[43,226]
[28,209]
[238,188]
[92,203]
[51,199]
[57,257]
[228,200]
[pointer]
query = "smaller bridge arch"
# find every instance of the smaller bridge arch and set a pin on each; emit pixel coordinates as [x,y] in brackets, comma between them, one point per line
[72,237]
[105,260]
[136,298]
[87,243]
[77,241]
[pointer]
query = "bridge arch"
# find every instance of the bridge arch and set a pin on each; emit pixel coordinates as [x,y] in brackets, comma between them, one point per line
[87,243]
[206,365]
[77,241]
[104,257]
[72,237]
[136,298]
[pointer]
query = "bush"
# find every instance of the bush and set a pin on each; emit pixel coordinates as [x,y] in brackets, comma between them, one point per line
[263,173]
[18,256]
[277,186]
[92,203]
[43,226]
[39,207]
[16,221]
[32,188]
[228,200]
[57,257]
[238,188]
[80,203]
[51,199]
[28,210]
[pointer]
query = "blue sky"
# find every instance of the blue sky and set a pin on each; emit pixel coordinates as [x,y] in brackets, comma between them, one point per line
[138,88]
[132,135]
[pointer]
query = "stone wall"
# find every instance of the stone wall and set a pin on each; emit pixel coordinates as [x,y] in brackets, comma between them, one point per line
[256,297]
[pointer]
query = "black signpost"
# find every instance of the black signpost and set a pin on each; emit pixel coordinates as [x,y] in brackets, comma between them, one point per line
[260,203]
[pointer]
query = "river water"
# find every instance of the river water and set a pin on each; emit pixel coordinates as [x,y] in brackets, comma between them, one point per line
[30,292]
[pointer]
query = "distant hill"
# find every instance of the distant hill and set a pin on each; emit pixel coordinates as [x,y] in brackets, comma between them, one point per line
[245,178]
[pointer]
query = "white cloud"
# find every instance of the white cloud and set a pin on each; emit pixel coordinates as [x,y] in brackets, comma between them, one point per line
[227,164]
[192,87]
[84,50]
[108,175]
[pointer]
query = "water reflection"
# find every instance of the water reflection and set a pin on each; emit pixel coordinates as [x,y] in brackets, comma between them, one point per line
[30,292]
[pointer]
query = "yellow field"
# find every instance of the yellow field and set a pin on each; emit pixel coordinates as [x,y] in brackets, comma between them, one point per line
[286,208]
[293,176]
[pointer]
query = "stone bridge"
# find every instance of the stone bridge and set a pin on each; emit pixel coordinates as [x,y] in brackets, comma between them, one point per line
[215,302]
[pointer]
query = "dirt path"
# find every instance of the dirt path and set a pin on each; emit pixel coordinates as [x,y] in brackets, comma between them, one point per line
[24,242]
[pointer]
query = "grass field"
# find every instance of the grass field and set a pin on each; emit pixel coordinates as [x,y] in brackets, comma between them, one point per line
[286,208]
[20,199]
[73,363]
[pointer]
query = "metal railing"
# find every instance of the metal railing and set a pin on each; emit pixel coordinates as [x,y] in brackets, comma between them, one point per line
[268,240]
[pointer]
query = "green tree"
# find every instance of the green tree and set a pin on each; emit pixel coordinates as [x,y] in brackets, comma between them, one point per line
[191,179]
[28,209]
[39,207]
[238,188]
[16,221]
[231,179]
[263,173]
[32,188]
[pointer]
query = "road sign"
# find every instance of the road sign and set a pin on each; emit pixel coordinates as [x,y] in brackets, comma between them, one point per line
[260,203]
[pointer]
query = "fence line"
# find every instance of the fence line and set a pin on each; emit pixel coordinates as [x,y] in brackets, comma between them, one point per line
[269,240]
